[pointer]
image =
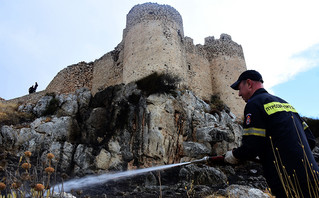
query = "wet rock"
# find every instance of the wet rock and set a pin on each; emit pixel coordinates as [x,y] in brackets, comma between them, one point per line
[66,157]
[96,126]
[63,153]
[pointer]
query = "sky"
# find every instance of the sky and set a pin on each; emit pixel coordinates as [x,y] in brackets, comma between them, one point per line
[280,39]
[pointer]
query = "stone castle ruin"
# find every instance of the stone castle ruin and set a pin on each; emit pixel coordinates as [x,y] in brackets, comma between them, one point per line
[154,41]
[121,128]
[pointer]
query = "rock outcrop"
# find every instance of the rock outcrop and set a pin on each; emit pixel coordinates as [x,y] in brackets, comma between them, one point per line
[120,129]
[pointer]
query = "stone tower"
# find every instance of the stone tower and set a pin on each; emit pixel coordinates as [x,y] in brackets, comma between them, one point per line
[227,62]
[153,42]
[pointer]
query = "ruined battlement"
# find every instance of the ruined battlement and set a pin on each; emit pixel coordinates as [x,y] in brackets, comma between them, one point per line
[222,46]
[154,41]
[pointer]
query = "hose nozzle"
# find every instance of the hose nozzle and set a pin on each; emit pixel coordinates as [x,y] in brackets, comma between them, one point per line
[206,158]
[203,160]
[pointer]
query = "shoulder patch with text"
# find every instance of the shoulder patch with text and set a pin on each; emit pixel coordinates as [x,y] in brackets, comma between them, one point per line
[248,118]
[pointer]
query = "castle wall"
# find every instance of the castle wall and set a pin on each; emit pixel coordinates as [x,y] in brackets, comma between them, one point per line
[198,68]
[72,78]
[153,42]
[108,70]
[227,62]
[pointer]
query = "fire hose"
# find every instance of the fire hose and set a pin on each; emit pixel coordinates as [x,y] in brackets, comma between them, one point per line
[210,159]
[217,160]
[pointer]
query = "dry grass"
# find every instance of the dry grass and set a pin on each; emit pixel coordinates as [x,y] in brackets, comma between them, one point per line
[27,181]
[290,183]
[9,114]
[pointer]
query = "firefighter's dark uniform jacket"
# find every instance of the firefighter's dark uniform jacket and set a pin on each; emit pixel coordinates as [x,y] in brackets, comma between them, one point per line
[271,126]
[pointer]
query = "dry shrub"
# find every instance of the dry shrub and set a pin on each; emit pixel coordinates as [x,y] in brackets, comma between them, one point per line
[158,83]
[9,114]
[217,104]
[52,107]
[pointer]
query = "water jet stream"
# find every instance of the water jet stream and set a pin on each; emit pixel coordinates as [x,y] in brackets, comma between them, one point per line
[100,179]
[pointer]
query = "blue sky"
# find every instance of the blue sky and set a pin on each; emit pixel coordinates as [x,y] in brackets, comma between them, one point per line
[302,92]
[279,38]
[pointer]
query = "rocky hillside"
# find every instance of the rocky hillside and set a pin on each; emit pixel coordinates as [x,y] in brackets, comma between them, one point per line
[125,128]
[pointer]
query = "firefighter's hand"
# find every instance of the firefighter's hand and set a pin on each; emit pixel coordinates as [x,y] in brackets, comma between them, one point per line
[229,158]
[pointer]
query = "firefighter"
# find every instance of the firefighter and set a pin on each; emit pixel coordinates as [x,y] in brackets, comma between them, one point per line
[276,134]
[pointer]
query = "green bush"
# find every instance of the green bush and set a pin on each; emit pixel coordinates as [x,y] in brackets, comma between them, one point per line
[158,83]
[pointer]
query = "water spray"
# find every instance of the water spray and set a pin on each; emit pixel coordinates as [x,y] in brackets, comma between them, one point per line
[100,179]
